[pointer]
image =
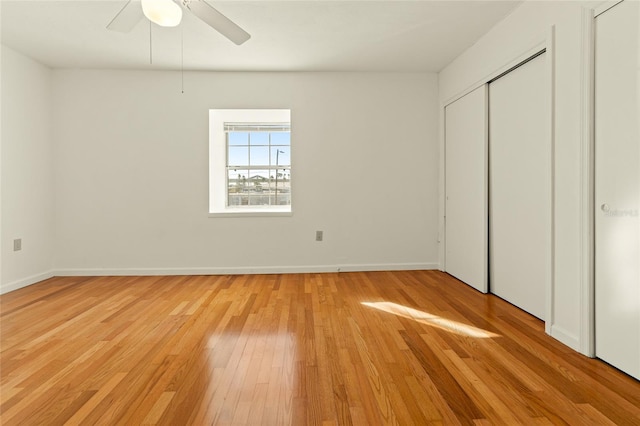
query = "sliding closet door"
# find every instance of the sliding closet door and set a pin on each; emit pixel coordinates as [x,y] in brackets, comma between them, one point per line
[520,187]
[466,189]
[617,185]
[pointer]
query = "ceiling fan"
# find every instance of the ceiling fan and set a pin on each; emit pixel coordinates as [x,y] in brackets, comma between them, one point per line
[168,13]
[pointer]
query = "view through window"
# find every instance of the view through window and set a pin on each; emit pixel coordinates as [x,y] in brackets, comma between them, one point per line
[258,164]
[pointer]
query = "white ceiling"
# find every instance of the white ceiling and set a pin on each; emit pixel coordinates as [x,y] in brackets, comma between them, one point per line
[392,35]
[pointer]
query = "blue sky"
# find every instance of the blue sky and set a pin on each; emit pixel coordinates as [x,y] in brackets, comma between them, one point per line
[256,144]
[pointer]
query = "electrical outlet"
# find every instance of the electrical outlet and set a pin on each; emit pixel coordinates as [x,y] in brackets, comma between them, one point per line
[318,235]
[17,244]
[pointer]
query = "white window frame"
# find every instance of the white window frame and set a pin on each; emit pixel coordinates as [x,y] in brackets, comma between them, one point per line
[218,160]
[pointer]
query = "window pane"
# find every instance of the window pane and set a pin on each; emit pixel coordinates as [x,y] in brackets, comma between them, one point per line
[284,178]
[235,199]
[259,199]
[281,156]
[236,174]
[259,156]
[281,187]
[281,138]
[237,180]
[238,138]
[238,156]
[259,138]
[259,175]
[258,181]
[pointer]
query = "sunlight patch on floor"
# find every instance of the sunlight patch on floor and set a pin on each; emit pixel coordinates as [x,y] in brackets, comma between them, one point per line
[431,320]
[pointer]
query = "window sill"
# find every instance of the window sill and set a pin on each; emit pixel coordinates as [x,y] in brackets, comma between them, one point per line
[252,213]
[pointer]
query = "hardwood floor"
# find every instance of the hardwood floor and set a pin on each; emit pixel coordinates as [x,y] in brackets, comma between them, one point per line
[409,348]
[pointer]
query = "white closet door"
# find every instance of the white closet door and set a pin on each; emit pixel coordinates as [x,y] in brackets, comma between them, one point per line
[520,187]
[617,185]
[466,189]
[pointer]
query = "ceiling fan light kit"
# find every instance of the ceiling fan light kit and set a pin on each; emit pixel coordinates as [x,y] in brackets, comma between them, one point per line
[165,13]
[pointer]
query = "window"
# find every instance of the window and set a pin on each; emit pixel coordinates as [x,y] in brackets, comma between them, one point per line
[250,162]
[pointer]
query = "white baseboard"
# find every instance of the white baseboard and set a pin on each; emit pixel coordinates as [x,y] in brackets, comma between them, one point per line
[565,337]
[246,270]
[213,271]
[24,282]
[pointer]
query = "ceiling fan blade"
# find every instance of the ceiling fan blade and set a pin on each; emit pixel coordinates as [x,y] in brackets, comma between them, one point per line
[218,21]
[127,18]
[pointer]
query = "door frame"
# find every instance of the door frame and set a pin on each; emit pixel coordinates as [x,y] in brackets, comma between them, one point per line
[587,183]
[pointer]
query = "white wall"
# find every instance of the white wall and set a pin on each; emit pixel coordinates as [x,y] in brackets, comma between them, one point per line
[132,170]
[526,27]
[27,171]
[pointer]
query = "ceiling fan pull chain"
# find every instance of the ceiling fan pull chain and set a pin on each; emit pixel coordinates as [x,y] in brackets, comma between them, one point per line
[182,56]
[150,43]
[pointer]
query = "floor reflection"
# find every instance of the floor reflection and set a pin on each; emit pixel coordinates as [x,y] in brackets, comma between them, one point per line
[251,379]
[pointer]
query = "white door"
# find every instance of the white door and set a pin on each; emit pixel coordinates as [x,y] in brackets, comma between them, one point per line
[520,187]
[466,189]
[617,187]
